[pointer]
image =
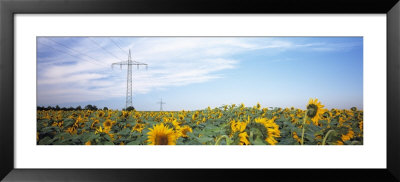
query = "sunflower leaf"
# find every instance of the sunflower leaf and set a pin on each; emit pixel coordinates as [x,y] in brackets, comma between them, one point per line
[124,131]
[205,139]
[258,141]
[68,122]
[45,141]
[136,142]
[108,137]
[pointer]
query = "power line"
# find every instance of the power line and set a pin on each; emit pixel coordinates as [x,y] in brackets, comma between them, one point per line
[75,50]
[117,45]
[105,49]
[94,62]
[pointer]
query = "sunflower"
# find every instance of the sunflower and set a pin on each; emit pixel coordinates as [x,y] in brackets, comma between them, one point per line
[314,110]
[138,127]
[79,119]
[349,135]
[243,138]
[124,114]
[54,124]
[100,130]
[72,130]
[273,132]
[93,125]
[272,129]
[181,117]
[296,137]
[341,121]
[258,106]
[175,123]
[60,124]
[349,113]
[101,113]
[248,120]
[107,124]
[161,135]
[271,140]
[238,126]
[183,130]
[195,115]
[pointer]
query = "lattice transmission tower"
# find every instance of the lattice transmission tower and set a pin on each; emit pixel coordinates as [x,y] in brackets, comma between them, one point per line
[161,103]
[129,63]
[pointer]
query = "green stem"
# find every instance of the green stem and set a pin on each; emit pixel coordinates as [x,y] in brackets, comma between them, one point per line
[326,136]
[219,139]
[304,125]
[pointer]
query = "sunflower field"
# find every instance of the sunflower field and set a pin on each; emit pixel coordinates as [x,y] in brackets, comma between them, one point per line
[225,125]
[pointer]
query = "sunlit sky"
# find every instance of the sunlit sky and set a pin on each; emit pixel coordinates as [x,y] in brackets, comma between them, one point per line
[196,72]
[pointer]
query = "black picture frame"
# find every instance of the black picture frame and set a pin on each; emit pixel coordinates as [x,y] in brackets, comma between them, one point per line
[8,8]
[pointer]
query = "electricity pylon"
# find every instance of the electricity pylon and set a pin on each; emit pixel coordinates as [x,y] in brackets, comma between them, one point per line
[129,63]
[161,103]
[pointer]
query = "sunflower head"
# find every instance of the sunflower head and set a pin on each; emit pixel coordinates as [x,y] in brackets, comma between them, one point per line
[124,114]
[314,110]
[101,114]
[258,106]
[161,135]
[72,130]
[195,115]
[185,129]
[138,127]
[93,125]
[107,124]
[181,117]
[176,123]
[349,135]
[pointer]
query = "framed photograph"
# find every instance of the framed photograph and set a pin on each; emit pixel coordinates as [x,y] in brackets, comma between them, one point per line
[100,91]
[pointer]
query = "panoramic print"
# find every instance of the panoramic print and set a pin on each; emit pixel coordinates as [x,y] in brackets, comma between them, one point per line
[199,91]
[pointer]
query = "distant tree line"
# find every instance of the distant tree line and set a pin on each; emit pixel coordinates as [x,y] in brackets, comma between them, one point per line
[58,108]
[88,107]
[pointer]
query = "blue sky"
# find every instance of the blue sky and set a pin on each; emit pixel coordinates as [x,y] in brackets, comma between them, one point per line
[195,72]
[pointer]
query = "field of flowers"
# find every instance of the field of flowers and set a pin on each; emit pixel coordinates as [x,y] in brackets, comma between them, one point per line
[226,125]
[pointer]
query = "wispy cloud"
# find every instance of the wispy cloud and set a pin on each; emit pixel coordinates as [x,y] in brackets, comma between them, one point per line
[78,69]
